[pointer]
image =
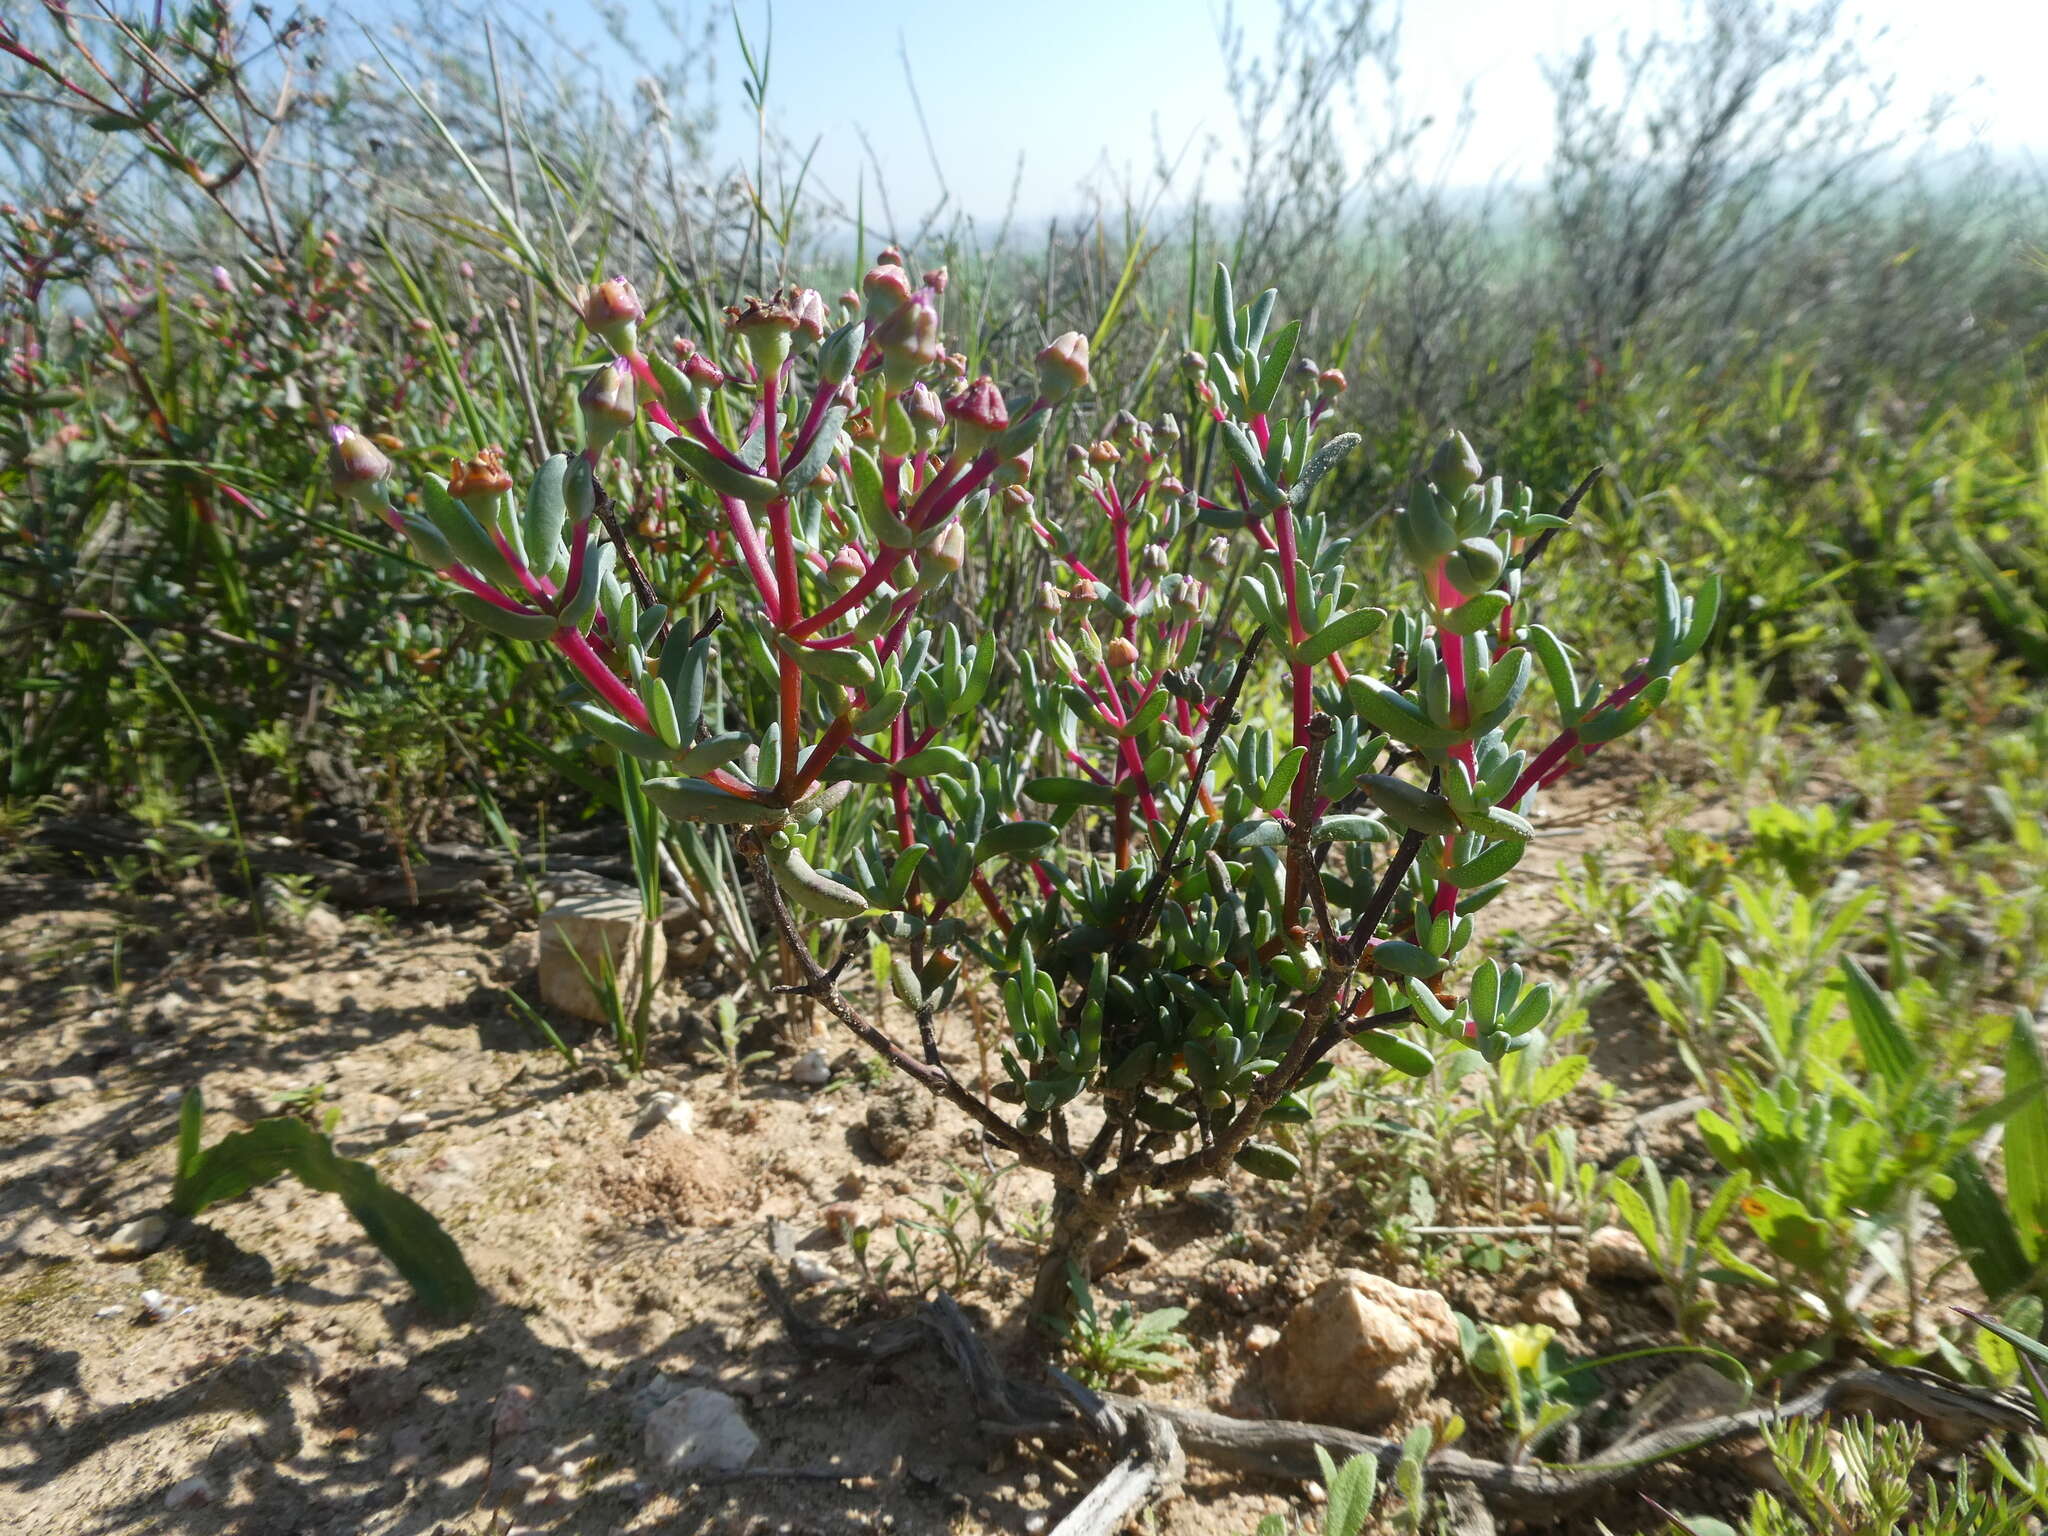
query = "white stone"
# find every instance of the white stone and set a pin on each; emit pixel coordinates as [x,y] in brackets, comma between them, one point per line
[137,1238]
[700,1430]
[811,1070]
[578,933]
[1261,1337]
[192,1493]
[808,1269]
[1359,1352]
[669,1109]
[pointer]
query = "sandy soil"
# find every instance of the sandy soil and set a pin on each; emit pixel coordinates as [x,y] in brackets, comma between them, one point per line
[289,1370]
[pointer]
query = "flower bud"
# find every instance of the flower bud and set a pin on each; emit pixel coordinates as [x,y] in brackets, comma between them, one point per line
[1104,453]
[1074,454]
[1215,554]
[1170,487]
[927,415]
[1049,601]
[884,290]
[978,414]
[1167,429]
[480,481]
[221,280]
[936,279]
[608,403]
[1194,366]
[357,467]
[1152,559]
[846,568]
[612,311]
[1474,566]
[943,556]
[765,328]
[702,372]
[1332,381]
[1120,655]
[1017,499]
[908,340]
[1456,466]
[1063,366]
[811,321]
[1086,591]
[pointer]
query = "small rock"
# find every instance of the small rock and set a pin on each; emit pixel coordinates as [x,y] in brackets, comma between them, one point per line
[811,1070]
[1617,1254]
[411,1123]
[669,1109]
[514,1410]
[840,1218]
[1553,1305]
[192,1493]
[895,1120]
[138,1238]
[700,1430]
[157,1307]
[583,933]
[322,926]
[1359,1351]
[808,1269]
[1261,1337]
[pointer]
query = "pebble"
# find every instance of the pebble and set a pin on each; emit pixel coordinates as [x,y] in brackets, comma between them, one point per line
[1261,1337]
[192,1493]
[808,1269]
[159,1308]
[1615,1253]
[700,1430]
[668,1109]
[411,1123]
[811,1070]
[138,1238]
[1554,1306]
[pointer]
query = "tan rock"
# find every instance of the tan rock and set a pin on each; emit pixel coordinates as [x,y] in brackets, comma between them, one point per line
[1359,1351]
[1552,1305]
[1617,1254]
[578,933]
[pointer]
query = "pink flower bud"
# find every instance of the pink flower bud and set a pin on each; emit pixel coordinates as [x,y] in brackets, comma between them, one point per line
[1194,366]
[948,552]
[1169,486]
[927,415]
[608,402]
[221,280]
[612,311]
[1332,381]
[764,327]
[1104,453]
[357,467]
[1063,366]
[811,320]
[465,270]
[908,340]
[1120,654]
[701,371]
[846,568]
[936,279]
[1017,499]
[978,413]
[885,289]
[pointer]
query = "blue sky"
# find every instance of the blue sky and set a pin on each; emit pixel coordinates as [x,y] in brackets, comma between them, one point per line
[1077,87]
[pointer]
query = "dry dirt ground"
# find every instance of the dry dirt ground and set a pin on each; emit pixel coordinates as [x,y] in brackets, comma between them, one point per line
[285,1366]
